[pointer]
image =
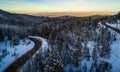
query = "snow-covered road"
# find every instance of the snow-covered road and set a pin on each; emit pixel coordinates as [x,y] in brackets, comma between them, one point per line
[40,44]
[9,53]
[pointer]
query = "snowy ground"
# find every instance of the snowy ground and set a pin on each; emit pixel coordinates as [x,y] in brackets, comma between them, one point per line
[115,48]
[90,45]
[115,55]
[9,53]
[44,46]
[116,25]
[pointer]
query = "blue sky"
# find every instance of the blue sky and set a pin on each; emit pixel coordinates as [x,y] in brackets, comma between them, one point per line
[36,6]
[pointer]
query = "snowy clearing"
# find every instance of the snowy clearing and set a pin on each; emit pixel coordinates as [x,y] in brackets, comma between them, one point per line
[90,45]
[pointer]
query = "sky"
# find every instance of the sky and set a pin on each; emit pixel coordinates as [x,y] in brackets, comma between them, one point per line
[52,7]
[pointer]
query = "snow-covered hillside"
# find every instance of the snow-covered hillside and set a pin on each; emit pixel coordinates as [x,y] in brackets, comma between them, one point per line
[115,47]
[69,44]
[115,54]
[111,63]
[40,54]
[90,45]
[9,53]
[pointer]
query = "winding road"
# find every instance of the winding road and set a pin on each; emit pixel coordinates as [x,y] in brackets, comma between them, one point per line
[113,28]
[20,61]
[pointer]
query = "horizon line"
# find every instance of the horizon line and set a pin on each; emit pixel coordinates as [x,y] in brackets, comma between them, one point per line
[74,13]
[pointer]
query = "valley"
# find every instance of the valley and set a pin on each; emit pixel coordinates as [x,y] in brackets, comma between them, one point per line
[67,43]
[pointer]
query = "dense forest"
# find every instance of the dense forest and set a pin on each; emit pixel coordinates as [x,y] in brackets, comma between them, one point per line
[69,38]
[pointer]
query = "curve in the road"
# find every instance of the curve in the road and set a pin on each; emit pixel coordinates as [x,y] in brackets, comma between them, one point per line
[20,61]
[113,28]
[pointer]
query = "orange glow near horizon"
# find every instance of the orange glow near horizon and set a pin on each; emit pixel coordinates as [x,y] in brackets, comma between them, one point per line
[52,13]
[60,13]
[78,14]
[61,7]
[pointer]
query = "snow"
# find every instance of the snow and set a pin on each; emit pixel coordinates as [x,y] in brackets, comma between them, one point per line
[115,48]
[90,45]
[76,69]
[88,64]
[44,46]
[13,52]
[70,46]
[115,57]
[71,67]
[101,26]
[116,25]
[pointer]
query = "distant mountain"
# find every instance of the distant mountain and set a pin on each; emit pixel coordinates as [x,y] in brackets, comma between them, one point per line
[118,15]
[36,19]
[22,17]
[8,16]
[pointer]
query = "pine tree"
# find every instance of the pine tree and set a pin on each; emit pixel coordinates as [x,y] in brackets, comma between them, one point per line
[85,67]
[94,54]
[53,62]
[1,35]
